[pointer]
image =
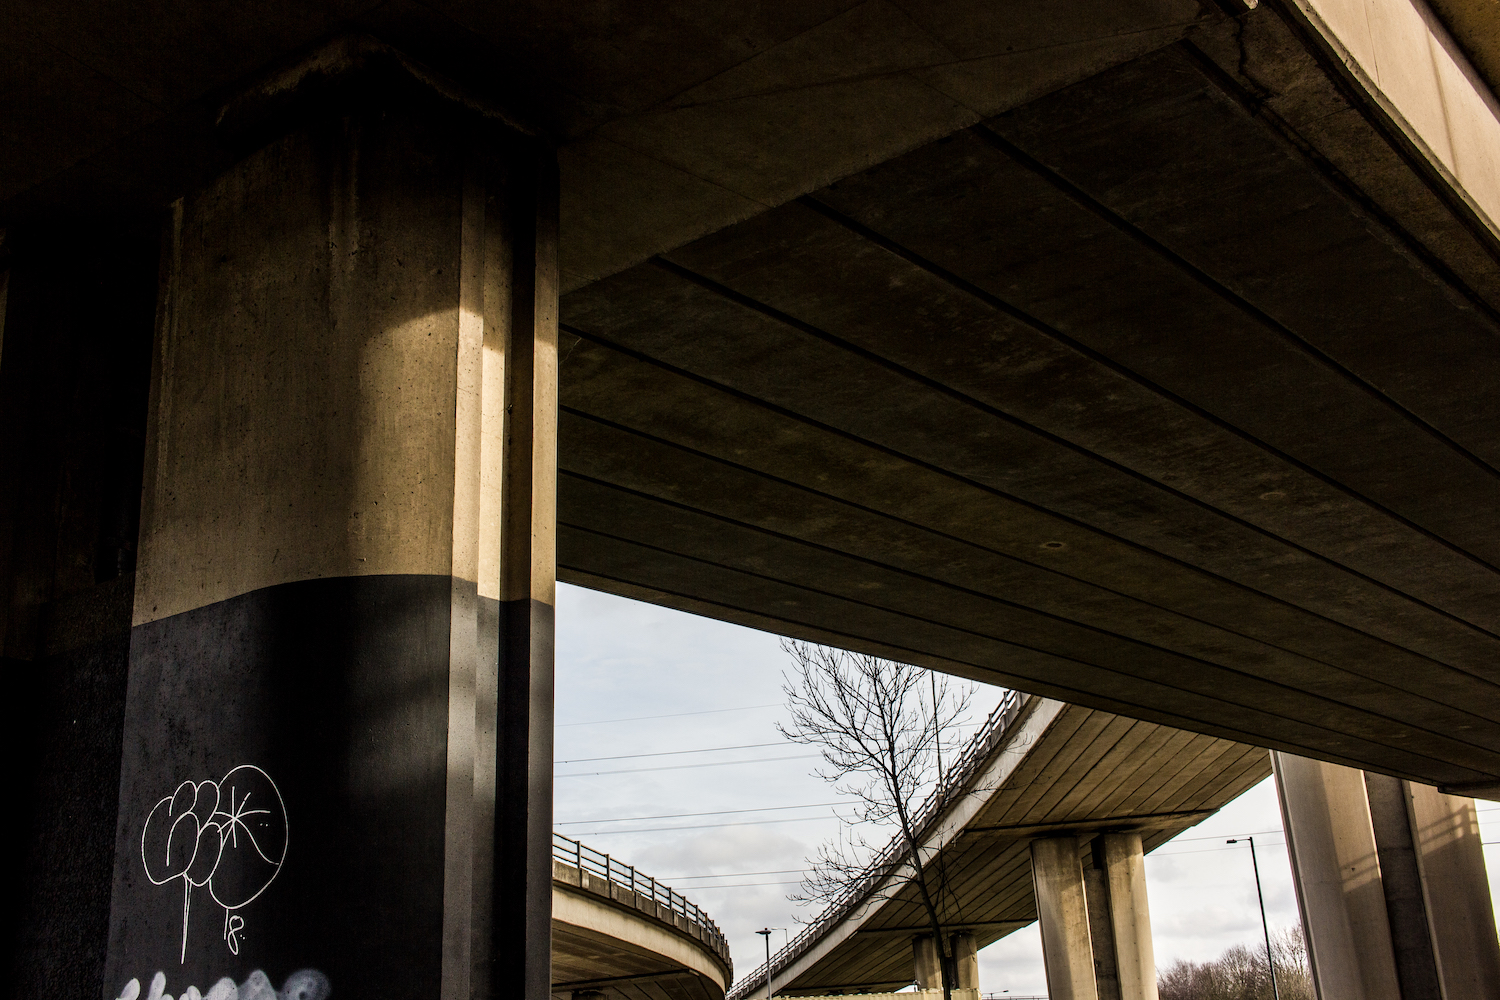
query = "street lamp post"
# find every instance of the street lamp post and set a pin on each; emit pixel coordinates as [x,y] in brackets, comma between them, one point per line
[767,936]
[1254,864]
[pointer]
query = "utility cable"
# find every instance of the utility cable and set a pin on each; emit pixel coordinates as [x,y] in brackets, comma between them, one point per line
[684,767]
[674,715]
[716,812]
[670,753]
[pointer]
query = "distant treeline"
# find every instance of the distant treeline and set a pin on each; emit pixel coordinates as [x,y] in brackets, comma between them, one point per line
[1242,974]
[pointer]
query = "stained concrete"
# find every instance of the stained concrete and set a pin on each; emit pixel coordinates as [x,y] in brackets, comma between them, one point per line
[1111,397]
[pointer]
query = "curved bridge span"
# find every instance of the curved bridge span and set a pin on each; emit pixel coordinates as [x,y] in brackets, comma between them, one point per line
[619,933]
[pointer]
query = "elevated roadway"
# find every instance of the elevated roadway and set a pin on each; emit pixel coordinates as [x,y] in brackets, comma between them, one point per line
[618,933]
[1167,392]
[1040,768]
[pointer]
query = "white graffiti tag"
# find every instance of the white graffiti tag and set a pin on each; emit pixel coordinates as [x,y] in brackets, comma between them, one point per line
[229,835]
[308,984]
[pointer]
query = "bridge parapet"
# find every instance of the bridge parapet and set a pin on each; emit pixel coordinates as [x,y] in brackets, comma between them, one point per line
[961,775]
[580,866]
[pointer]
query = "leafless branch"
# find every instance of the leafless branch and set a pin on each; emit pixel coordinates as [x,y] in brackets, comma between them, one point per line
[880,727]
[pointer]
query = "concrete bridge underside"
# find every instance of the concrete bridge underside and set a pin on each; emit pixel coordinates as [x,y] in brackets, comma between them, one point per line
[1140,355]
[1062,770]
[609,941]
[1169,393]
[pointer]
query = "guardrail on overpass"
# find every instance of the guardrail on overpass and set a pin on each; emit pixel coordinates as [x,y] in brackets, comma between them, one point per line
[960,775]
[599,873]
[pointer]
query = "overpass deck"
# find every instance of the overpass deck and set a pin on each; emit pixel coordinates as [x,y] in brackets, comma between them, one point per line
[618,933]
[1046,768]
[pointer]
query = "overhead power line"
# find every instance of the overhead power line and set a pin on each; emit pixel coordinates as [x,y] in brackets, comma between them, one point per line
[716,812]
[671,753]
[684,767]
[674,715]
[775,871]
[708,826]
[742,885]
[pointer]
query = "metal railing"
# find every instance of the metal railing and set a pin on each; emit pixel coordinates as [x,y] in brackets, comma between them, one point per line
[960,774]
[615,872]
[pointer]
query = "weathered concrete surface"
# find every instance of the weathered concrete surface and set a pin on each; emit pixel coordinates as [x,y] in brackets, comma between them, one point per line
[1399,51]
[1391,882]
[354,390]
[673,122]
[1455,886]
[608,938]
[1063,915]
[1112,398]
[1129,915]
[1060,770]
[77,341]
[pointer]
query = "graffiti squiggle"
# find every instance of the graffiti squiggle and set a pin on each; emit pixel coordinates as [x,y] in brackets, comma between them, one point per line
[234,847]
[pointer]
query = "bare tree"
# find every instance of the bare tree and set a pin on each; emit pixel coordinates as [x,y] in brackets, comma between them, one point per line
[880,726]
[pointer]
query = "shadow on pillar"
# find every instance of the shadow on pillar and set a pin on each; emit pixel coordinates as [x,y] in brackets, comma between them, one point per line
[1392,886]
[74,378]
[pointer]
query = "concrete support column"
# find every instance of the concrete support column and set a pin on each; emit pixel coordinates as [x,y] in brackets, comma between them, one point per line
[76,332]
[927,963]
[966,960]
[1124,864]
[1391,881]
[1101,938]
[1062,912]
[1444,830]
[337,751]
[1332,846]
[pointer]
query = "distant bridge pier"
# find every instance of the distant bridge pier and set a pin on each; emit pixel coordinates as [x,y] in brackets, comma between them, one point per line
[1095,922]
[1391,884]
[927,961]
[1063,914]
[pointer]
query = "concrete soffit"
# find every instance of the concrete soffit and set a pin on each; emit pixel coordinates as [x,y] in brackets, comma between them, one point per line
[1433,103]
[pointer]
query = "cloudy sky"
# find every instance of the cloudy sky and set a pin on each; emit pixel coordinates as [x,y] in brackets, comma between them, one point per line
[668,758]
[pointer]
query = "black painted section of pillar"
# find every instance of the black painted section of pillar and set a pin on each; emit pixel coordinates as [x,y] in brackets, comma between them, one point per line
[338,690]
[521,955]
[1405,907]
[65,751]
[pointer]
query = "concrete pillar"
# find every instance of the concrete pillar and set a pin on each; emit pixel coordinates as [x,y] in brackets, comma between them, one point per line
[1101,937]
[1062,912]
[1124,865]
[77,307]
[927,964]
[1401,882]
[338,726]
[966,960]
[1455,886]
[1326,815]
[1391,880]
